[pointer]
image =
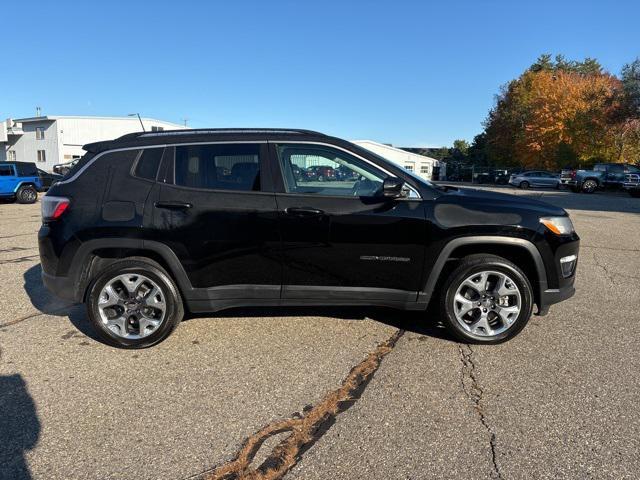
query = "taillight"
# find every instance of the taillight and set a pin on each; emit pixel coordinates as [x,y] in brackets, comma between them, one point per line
[53,207]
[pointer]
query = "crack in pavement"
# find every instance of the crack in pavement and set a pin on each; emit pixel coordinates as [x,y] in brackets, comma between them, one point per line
[305,428]
[35,314]
[611,276]
[474,392]
[19,259]
[18,235]
[613,249]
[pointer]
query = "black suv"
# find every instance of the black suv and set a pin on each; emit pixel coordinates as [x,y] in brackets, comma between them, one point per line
[151,224]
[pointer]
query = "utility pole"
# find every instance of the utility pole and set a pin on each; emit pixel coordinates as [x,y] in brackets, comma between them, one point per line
[137,115]
[185,120]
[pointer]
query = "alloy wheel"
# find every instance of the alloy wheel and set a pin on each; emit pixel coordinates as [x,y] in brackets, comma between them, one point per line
[487,303]
[132,306]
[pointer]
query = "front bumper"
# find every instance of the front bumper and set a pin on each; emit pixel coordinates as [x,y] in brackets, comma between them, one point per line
[554,295]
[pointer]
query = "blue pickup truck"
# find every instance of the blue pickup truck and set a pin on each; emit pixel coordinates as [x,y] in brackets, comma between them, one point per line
[19,181]
[603,175]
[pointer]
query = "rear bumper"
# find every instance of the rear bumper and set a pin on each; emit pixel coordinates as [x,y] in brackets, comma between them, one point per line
[63,287]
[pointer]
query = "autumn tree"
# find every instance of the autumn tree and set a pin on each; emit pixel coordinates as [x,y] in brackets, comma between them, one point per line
[556,112]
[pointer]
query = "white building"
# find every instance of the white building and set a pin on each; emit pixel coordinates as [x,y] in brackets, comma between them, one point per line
[49,140]
[425,167]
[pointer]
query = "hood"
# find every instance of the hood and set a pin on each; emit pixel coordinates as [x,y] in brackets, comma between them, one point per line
[508,200]
[460,207]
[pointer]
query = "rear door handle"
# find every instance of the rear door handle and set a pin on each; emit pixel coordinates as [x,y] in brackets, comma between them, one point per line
[173,205]
[303,211]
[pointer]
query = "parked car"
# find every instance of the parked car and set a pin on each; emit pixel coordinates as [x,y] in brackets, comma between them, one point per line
[321,173]
[632,184]
[603,175]
[140,249]
[63,168]
[535,178]
[48,179]
[345,174]
[19,181]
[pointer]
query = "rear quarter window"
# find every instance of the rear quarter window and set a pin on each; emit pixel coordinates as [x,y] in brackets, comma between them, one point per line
[148,163]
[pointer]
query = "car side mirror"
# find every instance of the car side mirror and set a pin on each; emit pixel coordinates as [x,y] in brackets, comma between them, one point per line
[392,187]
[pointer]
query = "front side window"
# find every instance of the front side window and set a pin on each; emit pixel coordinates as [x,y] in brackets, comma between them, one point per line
[41,156]
[218,167]
[39,133]
[320,170]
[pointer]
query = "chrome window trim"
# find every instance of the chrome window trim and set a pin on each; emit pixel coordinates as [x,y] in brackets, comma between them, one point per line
[142,147]
[237,142]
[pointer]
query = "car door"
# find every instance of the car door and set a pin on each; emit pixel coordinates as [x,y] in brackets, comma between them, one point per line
[8,180]
[615,174]
[214,211]
[547,179]
[342,240]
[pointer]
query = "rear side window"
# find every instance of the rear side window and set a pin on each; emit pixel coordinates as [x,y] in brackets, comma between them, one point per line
[6,170]
[218,167]
[27,169]
[148,163]
[619,168]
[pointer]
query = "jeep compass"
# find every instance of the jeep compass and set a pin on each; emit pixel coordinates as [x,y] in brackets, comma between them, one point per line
[152,224]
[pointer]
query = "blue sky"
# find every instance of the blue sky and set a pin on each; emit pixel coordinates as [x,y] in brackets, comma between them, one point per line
[401,72]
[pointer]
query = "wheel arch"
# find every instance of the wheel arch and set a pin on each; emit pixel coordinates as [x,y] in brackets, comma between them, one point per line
[520,251]
[95,255]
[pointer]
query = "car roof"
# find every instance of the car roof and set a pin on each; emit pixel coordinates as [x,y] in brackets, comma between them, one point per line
[166,137]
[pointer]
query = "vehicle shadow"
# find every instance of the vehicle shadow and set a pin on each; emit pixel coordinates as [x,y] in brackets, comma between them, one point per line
[19,427]
[422,323]
[47,303]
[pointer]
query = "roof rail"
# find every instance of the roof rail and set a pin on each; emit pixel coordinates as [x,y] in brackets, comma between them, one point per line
[209,131]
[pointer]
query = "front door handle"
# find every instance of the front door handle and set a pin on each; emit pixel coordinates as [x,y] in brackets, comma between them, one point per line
[173,205]
[303,211]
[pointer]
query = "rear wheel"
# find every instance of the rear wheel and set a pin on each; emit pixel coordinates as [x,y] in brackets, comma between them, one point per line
[635,193]
[524,185]
[134,304]
[589,186]
[487,299]
[26,194]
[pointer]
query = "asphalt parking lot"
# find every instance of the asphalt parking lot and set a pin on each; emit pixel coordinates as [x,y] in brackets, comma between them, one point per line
[559,400]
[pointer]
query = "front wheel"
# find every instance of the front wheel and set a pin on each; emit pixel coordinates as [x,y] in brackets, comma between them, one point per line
[134,304]
[487,299]
[26,194]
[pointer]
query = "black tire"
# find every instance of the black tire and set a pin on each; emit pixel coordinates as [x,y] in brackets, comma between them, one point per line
[635,193]
[478,263]
[152,270]
[524,185]
[320,178]
[27,194]
[589,186]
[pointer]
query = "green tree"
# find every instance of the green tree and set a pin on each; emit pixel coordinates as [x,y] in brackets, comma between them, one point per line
[462,146]
[630,77]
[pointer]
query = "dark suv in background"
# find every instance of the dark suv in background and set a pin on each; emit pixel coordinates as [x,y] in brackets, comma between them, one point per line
[151,224]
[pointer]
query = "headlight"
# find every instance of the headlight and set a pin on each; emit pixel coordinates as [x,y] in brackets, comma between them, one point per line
[558,225]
